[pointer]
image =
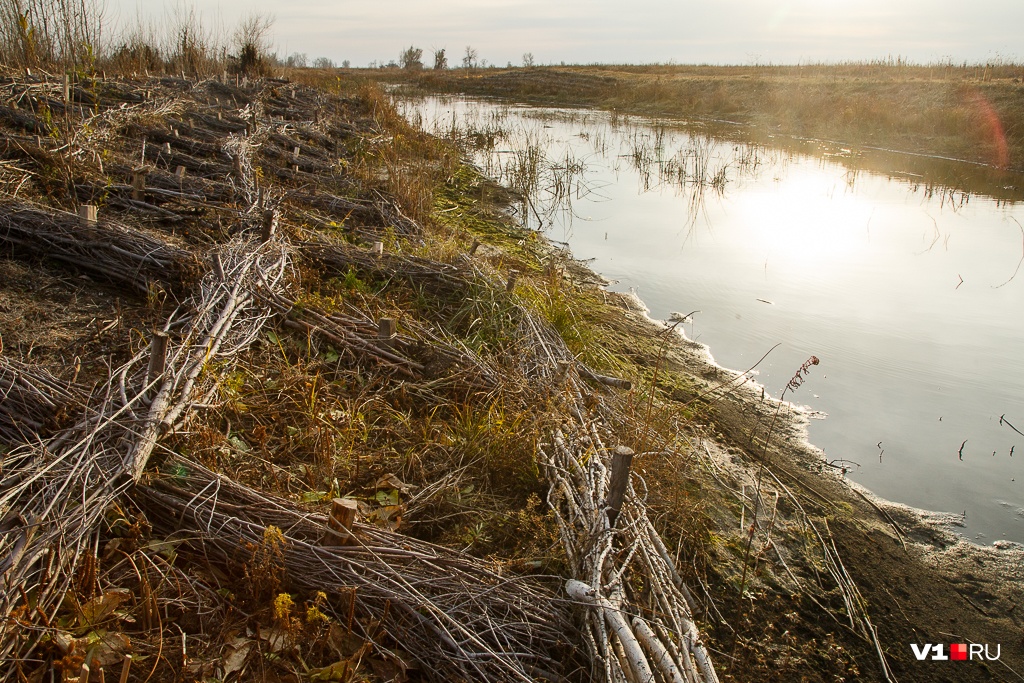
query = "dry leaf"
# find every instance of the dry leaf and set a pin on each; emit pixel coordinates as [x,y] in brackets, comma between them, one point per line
[345,643]
[390,481]
[105,650]
[238,651]
[99,608]
[388,671]
[278,640]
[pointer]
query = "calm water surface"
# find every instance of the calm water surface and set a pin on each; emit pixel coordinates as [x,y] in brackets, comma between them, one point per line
[907,291]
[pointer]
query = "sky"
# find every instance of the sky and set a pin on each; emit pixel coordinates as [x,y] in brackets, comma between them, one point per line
[638,31]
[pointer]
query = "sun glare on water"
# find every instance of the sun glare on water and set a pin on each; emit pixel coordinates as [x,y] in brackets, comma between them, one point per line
[804,224]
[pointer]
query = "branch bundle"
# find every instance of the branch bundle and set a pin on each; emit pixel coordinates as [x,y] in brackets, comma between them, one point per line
[637,610]
[110,249]
[30,400]
[459,617]
[54,494]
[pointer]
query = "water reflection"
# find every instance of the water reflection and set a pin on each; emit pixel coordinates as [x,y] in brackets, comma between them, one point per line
[904,283]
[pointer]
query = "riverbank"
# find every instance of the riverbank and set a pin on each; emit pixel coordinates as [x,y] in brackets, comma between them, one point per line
[973,114]
[431,431]
[920,580]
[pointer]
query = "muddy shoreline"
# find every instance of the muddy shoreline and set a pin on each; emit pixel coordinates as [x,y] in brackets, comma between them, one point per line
[922,582]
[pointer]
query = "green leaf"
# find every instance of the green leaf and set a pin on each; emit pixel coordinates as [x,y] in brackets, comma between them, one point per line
[387,498]
[165,548]
[334,672]
[313,496]
[272,336]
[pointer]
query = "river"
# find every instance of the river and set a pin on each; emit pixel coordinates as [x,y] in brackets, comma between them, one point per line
[902,274]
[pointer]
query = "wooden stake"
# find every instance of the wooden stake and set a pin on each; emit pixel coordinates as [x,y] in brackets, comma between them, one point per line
[67,89]
[167,148]
[218,267]
[179,173]
[343,514]
[157,357]
[269,224]
[88,215]
[83,677]
[295,153]
[513,275]
[125,668]
[378,249]
[139,184]
[622,460]
[386,331]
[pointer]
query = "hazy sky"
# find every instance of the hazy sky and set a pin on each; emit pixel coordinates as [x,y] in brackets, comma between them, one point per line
[637,31]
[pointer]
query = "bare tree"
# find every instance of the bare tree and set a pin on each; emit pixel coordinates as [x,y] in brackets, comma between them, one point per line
[469,59]
[345,64]
[252,40]
[440,60]
[323,63]
[411,58]
[298,60]
[527,59]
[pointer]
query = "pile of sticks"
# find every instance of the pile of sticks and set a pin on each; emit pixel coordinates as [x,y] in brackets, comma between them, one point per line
[174,132]
[110,249]
[434,276]
[457,616]
[636,610]
[55,492]
[31,400]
